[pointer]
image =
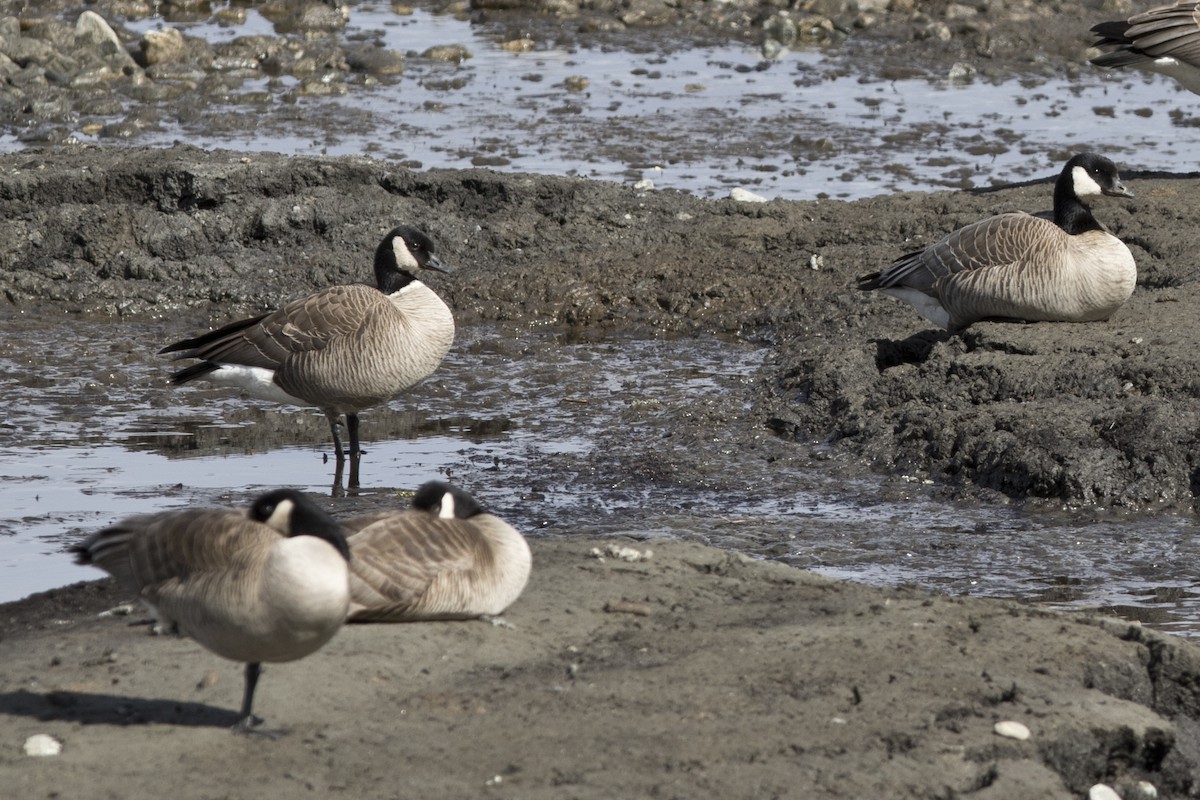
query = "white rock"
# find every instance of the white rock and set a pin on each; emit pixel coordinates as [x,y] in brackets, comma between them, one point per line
[743,196]
[644,185]
[1102,792]
[42,744]
[93,27]
[1011,729]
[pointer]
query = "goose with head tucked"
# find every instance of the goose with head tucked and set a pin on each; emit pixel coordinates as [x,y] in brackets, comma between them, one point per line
[443,558]
[1023,267]
[267,585]
[342,349]
[1164,40]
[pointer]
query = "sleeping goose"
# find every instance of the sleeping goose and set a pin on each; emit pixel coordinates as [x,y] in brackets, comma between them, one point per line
[1017,266]
[1163,40]
[233,581]
[444,558]
[342,349]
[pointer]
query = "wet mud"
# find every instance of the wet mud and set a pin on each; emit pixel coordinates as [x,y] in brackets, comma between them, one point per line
[1092,415]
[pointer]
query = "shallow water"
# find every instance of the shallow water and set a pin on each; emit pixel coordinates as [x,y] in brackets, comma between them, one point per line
[562,437]
[702,120]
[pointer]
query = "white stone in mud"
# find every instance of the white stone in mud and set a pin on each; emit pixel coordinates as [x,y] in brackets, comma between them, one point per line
[41,744]
[744,196]
[1011,729]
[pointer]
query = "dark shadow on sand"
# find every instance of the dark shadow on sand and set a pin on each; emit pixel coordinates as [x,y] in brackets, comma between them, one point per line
[107,709]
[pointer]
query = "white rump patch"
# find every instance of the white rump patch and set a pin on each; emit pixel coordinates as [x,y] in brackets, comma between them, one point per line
[255,381]
[1085,185]
[928,307]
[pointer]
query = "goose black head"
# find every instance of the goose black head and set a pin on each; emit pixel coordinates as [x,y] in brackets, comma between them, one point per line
[293,513]
[445,501]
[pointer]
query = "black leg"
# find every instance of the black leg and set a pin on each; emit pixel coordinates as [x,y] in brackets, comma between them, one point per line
[334,425]
[355,451]
[248,719]
[249,723]
[338,489]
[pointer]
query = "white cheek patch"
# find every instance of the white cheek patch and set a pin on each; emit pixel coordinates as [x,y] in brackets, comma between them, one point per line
[404,256]
[280,518]
[446,508]
[1084,183]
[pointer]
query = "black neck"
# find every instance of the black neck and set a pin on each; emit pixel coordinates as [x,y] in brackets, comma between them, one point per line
[1070,213]
[389,278]
[311,521]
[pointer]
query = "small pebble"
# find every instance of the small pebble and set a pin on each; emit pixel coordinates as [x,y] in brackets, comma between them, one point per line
[42,744]
[1102,792]
[1011,729]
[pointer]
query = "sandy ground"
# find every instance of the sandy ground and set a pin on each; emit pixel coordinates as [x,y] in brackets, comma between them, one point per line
[691,673]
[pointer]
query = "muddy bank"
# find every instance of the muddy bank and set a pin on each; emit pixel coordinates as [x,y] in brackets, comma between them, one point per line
[1101,414]
[693,672]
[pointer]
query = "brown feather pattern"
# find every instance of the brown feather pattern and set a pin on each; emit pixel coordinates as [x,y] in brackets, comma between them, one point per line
[210,571]
[413,565]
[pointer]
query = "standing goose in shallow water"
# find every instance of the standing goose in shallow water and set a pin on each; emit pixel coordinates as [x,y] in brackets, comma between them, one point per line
[268,585]
[444,558]
[342,349]
[1017,266]
[1163,40]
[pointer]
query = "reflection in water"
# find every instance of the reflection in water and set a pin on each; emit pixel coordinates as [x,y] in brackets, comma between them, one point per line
[562,436]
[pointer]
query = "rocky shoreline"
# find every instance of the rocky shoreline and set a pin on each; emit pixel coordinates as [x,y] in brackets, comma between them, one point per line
[100,72]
